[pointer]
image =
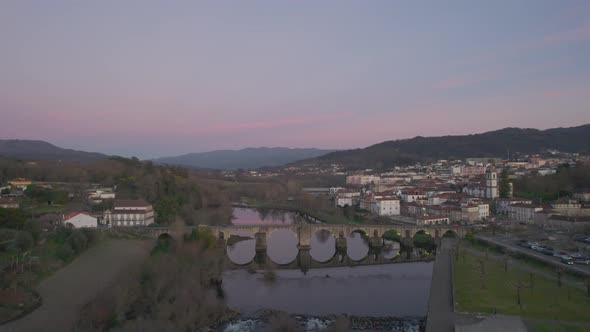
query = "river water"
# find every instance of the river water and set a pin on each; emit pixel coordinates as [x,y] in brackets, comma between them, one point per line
[384,290]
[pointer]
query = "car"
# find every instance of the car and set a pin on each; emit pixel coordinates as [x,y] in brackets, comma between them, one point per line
[584,261]
[567,261]
[548,252]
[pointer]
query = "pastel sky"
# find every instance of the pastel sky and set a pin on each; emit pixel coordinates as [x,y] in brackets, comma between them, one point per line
[153,78]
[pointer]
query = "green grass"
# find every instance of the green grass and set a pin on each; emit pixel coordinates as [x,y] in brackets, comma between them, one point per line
[544,300]
[559,327]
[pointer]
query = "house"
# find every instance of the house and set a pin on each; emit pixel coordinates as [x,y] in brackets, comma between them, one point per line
[8,203]
[386,206]
[432,220]
[80,220]
[412,195]
[366,202]
[20,183]
[129,213]
[98,195]
[343,201]
[523,212]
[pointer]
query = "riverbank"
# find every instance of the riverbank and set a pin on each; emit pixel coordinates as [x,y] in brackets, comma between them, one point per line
[267,319]
[68,289]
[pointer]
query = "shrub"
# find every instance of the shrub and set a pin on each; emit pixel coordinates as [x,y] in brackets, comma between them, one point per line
[78,241]
[23,241]
[65,252]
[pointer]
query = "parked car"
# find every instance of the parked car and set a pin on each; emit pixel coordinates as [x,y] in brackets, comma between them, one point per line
[567,261]
[582,260]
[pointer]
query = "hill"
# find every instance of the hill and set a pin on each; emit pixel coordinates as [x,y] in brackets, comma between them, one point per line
[40,150]
[245,158]
[489,144]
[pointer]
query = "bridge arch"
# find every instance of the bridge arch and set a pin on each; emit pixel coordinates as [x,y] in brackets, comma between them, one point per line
[450,233]
[323,245]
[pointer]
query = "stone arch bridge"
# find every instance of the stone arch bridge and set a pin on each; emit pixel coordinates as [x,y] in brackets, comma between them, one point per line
[304,232]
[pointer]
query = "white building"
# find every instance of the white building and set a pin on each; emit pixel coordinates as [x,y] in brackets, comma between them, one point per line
[523,212]
[432,220]
[503,204]
[80,220]
[413,195]
[343,201]
[130,213]
[484,210]
[386,206]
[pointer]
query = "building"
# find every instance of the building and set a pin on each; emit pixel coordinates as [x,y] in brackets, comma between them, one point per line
[523,212]
[361,180]
[80,220]
[492,183]
[386,206]
[20,183]
[413,195]
[503,204]
[129,213]
[366,202]
[432,220]
[583,196]
[8,204]
[343,201]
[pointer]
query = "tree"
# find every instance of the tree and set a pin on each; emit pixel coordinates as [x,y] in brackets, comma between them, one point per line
[23,241]
[504,187]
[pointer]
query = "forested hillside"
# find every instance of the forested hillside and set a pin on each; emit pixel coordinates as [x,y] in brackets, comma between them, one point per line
[490,144]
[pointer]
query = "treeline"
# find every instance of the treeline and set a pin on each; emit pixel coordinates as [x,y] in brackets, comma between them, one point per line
[177,289]
[564,183]
[174,191]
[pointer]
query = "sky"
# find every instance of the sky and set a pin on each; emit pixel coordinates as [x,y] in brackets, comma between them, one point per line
[158,78]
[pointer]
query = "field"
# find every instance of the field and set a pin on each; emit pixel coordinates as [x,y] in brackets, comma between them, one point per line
[482,285]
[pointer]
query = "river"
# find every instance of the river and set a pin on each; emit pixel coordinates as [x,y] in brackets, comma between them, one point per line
[384,290]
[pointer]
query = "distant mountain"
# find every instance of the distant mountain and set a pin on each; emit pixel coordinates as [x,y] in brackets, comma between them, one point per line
[490,144]
[245,158]
[40,150]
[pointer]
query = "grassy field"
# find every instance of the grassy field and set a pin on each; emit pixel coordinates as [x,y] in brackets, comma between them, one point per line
[541,298]
[558,327]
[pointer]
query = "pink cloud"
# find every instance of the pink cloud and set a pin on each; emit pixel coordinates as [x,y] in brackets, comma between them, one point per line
[581,33]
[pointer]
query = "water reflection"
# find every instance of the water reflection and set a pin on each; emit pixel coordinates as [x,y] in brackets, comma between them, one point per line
[391,249]
[242,251]
[282,246]
[357,246]
[323,246]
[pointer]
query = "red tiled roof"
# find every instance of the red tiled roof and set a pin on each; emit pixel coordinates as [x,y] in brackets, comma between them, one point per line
[73,214]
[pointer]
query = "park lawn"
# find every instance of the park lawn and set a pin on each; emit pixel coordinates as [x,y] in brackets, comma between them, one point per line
[559,327]
[544,300]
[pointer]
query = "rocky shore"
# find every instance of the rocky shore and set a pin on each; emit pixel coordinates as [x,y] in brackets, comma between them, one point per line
[261,321]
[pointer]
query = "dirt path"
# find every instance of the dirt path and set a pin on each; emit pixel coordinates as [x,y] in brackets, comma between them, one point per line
[70,288]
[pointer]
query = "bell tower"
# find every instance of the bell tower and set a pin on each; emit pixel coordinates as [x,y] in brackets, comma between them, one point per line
[491,183]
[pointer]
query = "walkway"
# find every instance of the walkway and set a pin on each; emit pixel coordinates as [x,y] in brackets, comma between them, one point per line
[72,287]
[441,316]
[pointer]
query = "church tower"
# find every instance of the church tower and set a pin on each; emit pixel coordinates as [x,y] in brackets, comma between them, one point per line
[492,183]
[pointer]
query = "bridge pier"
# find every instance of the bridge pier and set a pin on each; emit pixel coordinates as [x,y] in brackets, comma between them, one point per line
[304,259]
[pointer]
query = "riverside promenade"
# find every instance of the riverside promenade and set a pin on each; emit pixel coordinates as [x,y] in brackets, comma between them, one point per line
[441,315]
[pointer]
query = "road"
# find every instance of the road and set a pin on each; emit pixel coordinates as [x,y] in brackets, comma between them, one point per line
[441,316]
[554,261]
[72,287]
